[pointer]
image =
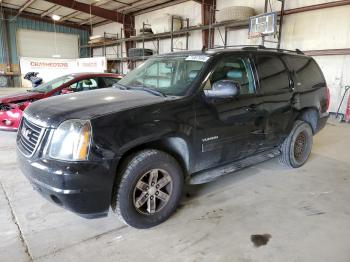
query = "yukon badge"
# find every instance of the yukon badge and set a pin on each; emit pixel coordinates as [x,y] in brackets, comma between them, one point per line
[210,139]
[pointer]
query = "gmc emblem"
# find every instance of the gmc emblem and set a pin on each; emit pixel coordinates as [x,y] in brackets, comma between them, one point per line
[26,133]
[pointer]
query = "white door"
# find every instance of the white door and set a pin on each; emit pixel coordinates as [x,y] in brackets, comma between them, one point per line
[31,43]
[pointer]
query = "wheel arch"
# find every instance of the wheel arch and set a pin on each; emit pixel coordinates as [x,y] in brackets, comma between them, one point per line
[175,146]
[310,115]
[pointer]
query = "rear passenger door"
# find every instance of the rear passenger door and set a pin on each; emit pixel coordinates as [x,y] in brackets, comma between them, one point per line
[275,97]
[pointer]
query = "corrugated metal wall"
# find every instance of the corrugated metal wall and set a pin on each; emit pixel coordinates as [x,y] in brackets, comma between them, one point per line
[3,46]
[29,24]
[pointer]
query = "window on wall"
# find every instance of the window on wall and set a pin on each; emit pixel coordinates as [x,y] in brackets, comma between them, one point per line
[273,75]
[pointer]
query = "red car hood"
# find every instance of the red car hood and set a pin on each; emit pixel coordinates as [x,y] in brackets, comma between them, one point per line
[19,97]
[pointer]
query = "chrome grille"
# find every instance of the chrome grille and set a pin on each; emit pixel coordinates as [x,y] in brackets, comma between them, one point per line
[29,137]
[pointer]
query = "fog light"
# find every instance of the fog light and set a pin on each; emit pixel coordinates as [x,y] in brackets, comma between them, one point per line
[8,122]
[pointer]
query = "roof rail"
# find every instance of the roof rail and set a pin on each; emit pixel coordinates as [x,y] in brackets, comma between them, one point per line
[297,51]
[243,46]
[257,47]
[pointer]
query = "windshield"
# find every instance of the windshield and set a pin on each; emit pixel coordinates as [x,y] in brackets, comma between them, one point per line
[168,75]
[47,87]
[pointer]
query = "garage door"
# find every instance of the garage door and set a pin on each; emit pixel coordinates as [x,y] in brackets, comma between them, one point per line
[42,44]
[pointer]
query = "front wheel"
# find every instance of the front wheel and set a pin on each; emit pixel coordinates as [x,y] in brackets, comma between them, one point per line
[297,146]
[148,190]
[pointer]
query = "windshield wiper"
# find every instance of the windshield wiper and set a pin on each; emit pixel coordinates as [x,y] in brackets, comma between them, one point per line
[141,88]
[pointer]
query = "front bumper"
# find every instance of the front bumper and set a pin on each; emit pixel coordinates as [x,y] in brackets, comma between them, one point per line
[82,187]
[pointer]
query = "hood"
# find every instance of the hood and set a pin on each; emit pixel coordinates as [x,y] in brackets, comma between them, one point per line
[87,105]
[24,96]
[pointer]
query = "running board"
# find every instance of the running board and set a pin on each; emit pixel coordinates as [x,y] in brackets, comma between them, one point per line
[212,174]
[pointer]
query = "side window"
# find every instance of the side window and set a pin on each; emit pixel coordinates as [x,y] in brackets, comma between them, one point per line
[84,85]
[237,69]
[110,81]
[307,72]
[273,75]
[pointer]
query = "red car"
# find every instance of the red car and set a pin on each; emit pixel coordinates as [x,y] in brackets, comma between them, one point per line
[12,106]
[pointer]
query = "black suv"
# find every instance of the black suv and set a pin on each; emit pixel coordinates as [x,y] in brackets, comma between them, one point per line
[187,116]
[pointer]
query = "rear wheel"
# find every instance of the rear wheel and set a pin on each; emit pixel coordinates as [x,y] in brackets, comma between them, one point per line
[297,147]
[149,189]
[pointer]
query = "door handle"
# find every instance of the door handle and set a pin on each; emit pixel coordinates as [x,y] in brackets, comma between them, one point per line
[251,108]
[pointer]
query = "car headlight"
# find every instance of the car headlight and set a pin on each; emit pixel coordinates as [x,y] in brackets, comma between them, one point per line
[71,141]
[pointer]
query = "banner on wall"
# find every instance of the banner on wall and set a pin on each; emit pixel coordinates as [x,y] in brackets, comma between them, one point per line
[50,68]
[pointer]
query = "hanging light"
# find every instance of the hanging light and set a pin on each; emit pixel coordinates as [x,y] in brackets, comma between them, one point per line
[56,17]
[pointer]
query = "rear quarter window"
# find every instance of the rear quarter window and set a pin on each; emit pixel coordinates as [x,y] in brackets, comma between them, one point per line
[306,71]
[273,74]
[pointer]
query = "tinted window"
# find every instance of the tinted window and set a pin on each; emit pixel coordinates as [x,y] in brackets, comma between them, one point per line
[53,84]
[110,81]
[84,85]
[273,75]
[236,69]
[307,72]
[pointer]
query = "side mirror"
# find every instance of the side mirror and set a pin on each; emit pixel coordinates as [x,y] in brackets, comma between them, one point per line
[223,89]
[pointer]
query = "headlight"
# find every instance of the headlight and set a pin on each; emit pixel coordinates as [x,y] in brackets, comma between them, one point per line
[71,141]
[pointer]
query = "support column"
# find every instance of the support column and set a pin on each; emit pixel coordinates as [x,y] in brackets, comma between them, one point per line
[208,18]
[129,26]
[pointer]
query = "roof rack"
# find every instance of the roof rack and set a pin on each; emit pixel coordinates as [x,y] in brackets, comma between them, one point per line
[257,47]
[231,46]
[297,51]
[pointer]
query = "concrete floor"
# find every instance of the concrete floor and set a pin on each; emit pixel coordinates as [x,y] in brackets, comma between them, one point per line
[306,212]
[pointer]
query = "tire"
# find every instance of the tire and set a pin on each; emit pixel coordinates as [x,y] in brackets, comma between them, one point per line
[133,204]
[234,13]
[296,148]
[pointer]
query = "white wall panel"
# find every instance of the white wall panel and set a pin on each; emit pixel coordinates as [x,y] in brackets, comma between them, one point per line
[190,9]
[320,29]
[335,69]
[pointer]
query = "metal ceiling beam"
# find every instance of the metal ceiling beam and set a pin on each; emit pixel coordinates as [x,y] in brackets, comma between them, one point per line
[90,20]
[316,7]
[50,10]
[139,3]
[158,6]
[11,12]
[95,10]
[27,4]
[71,15]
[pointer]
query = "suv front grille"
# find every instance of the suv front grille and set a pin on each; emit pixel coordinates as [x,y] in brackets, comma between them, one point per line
[29,137]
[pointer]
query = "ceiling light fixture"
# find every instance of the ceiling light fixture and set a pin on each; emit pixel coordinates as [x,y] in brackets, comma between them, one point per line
[55,17]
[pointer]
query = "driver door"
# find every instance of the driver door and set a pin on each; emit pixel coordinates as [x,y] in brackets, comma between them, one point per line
[228,129]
